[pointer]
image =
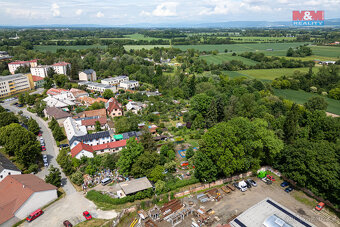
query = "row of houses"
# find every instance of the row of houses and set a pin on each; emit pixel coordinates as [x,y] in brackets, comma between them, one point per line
[112,83]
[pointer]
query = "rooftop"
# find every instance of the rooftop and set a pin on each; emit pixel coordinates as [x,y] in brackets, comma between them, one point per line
[90,137]
[129,82]
[269,213]
[88,71]
[57,113]
[55,91]
[79,147]
[22,62]
[37,78]
[89,122]
[61,64]
[92,113]
[135,185]
[115,78]
[12,77]
[7,164]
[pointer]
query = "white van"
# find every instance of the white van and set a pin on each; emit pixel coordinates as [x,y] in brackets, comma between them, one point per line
[105,181]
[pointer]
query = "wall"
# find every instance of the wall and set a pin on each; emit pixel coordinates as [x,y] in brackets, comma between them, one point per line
[35,201]
[5,172]
[84,153]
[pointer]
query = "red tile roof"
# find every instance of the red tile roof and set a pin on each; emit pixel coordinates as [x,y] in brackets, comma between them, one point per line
[55,91]
[113,104]
[89,122]
[111,145]
[37,78]
[61,63]
[92,113]
[22,62]
[79,147]
[15,190]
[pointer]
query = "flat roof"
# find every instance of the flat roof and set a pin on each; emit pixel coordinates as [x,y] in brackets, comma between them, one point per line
[12,77]
[269,213]
[115,78]
[135,185]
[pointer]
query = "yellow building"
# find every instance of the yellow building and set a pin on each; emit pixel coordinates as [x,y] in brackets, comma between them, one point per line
[13,84]
[30,79]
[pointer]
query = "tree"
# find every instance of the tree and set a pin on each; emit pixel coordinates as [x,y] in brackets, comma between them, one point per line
[98,126]
[108,93]
[7,118]
[126,124]
[60,80]
[74,70]
[199,122]
[97,106]
[48,83]
[211,118]
[157,173]
[58,133]
[316,103]
[29,99]
[65,161]
[129,155]
[50,73]
[144,164]
[335,93]
[53,123]
[290,127]
[160,186]
[200,104]
[147,141]
[54,176]
[192,86]
[205,169]
[189,153]
[33,126]
[21,99]
[77,178]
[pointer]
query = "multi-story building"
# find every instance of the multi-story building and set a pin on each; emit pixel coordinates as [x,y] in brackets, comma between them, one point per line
[40,70]
[74,128]
[129,85]
[115,80]
[13,66]
[61,67]
[93,86]
[13,84]
[88,75]
[38,81]
[114,108]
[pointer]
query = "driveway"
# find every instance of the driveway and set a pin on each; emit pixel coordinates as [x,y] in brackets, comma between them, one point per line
[70,208]
[51,147]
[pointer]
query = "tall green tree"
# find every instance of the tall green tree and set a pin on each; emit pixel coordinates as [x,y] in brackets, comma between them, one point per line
[211,118]
[108,93]
[7,118]
[144,164]
[290,127]
[54,176]
[98,126]
[33,126]
[147,141]
[129,155]
[316,103]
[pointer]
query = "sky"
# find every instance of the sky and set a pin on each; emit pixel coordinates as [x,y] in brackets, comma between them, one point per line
[124,12]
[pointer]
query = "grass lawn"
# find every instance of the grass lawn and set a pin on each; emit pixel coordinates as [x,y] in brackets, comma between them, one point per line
[53,49]
[243,47]
[301,97]
[264,74]
[139,47]
[95,223]
[220,58]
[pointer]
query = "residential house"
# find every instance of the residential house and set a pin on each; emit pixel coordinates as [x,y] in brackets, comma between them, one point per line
[93,86]
[55,91]
[78,93]
[88,101]
[114,80]
[74,128]
[40,70]
[91,113]
[90,124]
[58,103]
[129,85]
[88,75]
[58,114]
[151,93]
[13,66]
[82,150]
[38,81]
[7,168]
[91,139]
[21,195]
[114,108]
[135,107]
[13,84]
[61,67]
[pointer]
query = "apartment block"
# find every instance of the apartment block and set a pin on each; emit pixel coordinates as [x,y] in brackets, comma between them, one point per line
[13,84]
[13,66]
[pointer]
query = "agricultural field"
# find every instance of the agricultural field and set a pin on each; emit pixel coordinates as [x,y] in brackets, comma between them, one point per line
[220,58]
[138,36]
[269,47]
[260,39]
[264,74]
[53,49]
[139,47]
[301,97]
[326,51]
[314,57]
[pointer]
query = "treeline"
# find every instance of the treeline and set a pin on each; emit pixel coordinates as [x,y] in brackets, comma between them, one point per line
[324,82]
[301,51]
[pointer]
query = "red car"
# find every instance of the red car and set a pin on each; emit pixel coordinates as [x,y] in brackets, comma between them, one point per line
[34,215]
[320,206]
[67,223]
[43,148]
[87,215]
[270,178]
[39,134]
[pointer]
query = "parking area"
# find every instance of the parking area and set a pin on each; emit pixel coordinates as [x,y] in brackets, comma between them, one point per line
[235,202]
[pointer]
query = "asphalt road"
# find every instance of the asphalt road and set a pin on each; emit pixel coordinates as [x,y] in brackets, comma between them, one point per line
[51,147]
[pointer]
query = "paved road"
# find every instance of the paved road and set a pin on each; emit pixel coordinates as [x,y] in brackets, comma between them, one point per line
[51,147]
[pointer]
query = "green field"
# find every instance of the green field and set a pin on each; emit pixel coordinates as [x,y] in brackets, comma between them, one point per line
[260,39]
[220,58]
[326,51]
[283,47]
[53,49]
[139,47]
[301,97]
[138,36]
[265,74]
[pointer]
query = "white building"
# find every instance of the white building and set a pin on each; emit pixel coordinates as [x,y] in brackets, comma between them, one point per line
[88,75]
[13,66]
[20,195]
[115,80]
[91,139]
[51,101]
[93,86]
[40,70]
[135,106]
[129,85]
[7,168]
[13,84]
[74,128]
[61,67]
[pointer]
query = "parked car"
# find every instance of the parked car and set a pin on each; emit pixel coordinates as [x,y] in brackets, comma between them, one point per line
[63,145]
[67,223]
[15,104]
[46,164]
[43,148]
[87,215]
[20,105]
[284,184]
[266,180]
[252,182]
[320,206]
[270,178]
[42,143]
[248,184]
[40,134]
[236,186]
[34,215]
[289,189]
[45,157]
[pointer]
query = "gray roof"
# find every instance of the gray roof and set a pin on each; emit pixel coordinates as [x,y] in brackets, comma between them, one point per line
[7,164]
[57,113]
[88,71]
[135,185]
[270,214]
[12,77]
[128,135]
[90,137]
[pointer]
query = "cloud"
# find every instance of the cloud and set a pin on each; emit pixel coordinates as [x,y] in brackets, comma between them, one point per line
[218,7]
[23,13]
[55,10]
[79,12]
[100,14]
[144,13]
[166,9]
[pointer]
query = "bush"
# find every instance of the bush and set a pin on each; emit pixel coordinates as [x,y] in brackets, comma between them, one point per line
[77,178]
